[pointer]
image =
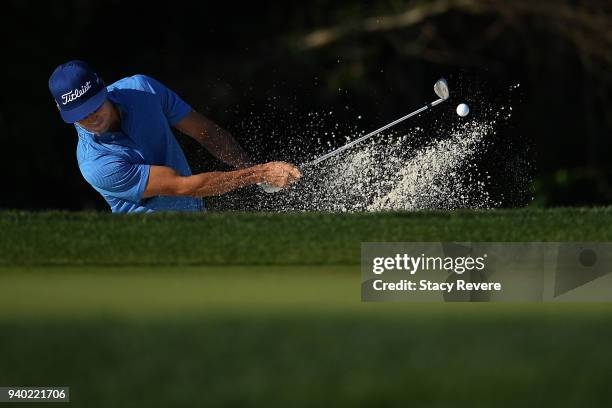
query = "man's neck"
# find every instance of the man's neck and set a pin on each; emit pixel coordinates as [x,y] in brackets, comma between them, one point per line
[116,122]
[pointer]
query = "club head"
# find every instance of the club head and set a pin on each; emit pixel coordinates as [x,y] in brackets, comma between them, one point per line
[441,89]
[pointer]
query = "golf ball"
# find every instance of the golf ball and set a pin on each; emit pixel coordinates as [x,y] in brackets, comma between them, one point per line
[463,109]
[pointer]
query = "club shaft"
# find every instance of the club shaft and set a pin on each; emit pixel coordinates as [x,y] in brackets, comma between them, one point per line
[369,135]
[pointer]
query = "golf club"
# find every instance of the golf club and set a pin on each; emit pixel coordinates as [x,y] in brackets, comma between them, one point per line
[441,90]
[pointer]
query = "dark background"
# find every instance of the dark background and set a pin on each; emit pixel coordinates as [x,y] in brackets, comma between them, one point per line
[259,68]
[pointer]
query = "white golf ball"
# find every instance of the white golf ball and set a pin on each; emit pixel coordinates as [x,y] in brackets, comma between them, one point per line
[463,109]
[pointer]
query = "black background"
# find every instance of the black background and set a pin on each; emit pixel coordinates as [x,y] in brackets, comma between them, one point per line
[244,66]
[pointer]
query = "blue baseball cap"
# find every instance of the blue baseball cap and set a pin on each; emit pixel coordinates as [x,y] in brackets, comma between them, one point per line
[77,89]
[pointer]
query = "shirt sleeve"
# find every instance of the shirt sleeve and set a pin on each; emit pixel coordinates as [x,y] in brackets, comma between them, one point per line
[173,106]
[116,177]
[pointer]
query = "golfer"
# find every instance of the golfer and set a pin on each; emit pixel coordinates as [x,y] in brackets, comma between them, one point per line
[128,153]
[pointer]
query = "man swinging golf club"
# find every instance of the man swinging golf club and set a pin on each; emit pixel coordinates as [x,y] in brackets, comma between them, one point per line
[127,152]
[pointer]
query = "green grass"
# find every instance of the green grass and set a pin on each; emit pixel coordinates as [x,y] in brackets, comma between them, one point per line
[288,336]
[266,239]
[263,310]
[529,359]
[167,292]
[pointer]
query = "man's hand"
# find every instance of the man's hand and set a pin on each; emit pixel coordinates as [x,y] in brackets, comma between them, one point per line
[280,174]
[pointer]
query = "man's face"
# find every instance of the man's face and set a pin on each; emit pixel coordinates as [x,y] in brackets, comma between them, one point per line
[100,120]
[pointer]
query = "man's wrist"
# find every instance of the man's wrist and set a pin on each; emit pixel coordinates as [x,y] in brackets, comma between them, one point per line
[256,174]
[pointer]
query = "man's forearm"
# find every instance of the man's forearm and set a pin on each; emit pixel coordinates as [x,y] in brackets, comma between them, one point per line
[220,182]
[223,146]
[217,141]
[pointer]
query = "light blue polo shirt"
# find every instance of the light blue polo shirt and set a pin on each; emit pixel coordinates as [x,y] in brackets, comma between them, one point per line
[117,164]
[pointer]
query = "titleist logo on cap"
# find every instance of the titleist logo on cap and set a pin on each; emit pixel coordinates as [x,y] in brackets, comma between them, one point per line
[77,93]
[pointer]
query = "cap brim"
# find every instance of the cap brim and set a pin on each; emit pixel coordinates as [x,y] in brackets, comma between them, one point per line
[85,109]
